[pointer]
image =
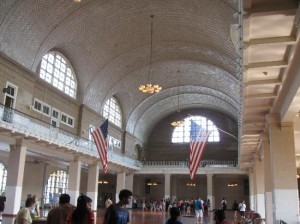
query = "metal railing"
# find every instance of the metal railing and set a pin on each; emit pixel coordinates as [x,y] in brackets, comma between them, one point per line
[19,122]
[204,163]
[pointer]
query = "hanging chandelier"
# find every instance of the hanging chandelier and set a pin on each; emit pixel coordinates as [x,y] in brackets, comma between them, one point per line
[177,123]
[150,88]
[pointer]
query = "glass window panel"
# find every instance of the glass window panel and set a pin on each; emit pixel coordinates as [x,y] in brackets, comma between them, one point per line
[61,76]
[60,86]
[55,82]
[57,67]
[51,58]
[48,77]
[42,74]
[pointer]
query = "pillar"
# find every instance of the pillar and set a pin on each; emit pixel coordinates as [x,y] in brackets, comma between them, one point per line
[283,171]
[16,165]
[129,185]
[92,187]
[268,181]
[173,188]
[210,192]
[120,184]
[260,186]
[74,180]
[167,186]
[251,190]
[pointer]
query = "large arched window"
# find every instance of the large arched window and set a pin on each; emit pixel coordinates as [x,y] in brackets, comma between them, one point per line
[112,111]
[57,185]
[3,177]
[181,134]
[56,70]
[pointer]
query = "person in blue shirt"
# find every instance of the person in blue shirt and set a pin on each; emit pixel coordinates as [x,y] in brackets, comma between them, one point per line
[199,210]
[118,213]
[174,213]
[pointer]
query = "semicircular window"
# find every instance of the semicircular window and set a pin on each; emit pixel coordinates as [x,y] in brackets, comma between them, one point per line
[56,70]
[182,134]
[112,111]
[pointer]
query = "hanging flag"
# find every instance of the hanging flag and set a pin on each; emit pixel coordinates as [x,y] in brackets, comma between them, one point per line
[199,138]
[100,139]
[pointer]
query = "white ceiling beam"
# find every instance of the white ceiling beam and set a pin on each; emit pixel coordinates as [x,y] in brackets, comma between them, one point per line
[261,95]
[270,40]
[265,64]
[257,107]
[263,82]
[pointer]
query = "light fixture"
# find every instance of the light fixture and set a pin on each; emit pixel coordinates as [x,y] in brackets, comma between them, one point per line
[191,184]
[77,1]
[102,182]
[178,122]
[232,184]
[152,183]
[150,88]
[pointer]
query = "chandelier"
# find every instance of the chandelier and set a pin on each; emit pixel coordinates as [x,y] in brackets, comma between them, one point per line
[150,88]
[177,123]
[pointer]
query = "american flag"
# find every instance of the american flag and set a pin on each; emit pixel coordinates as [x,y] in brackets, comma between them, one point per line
[100,139]
[199,138]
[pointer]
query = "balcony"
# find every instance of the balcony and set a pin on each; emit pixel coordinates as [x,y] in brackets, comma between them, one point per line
[30,127]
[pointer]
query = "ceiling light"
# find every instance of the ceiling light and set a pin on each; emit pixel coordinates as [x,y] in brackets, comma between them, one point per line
[150,88]
[77,1]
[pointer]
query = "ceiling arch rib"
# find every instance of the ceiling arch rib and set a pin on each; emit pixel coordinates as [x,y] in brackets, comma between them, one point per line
[160,109]
[170,94]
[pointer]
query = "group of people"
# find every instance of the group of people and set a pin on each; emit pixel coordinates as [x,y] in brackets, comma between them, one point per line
[66,213]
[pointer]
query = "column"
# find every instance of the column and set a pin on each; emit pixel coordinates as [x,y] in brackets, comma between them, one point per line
[251,190]
[16,165]
[268,181]
[92,187]
[283,170]
[173,188]
[74,180]
[260,186]
[120,184]
[210,191]
[129,186]
[167,185]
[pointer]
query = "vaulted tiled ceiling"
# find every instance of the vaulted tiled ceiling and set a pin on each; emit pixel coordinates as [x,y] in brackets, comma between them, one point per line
[195,43]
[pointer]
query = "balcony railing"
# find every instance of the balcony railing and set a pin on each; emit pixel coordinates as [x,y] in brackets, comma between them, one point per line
[19,122]
[204,163]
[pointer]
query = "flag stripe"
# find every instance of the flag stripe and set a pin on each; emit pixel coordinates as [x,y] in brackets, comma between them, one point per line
[100,139]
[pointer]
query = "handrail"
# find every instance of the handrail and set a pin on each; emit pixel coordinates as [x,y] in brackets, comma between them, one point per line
[204,163]
[17,121]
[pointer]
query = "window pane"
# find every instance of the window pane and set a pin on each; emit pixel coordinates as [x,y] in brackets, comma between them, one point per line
[53,65]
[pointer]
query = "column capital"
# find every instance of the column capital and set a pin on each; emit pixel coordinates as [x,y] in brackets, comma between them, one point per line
[287,124]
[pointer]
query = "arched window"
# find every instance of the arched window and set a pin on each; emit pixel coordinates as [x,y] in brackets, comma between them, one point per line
[112,111]
[56,70]
[57,185]
[181,134]
[3,177]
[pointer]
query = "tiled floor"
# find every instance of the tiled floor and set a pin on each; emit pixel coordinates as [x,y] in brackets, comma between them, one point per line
[148,217]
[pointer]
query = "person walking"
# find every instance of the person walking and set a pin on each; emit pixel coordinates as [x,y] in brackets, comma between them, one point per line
[235,207]
[243,209]
[224,204]
[118,213]
[59,214]
[199,210]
